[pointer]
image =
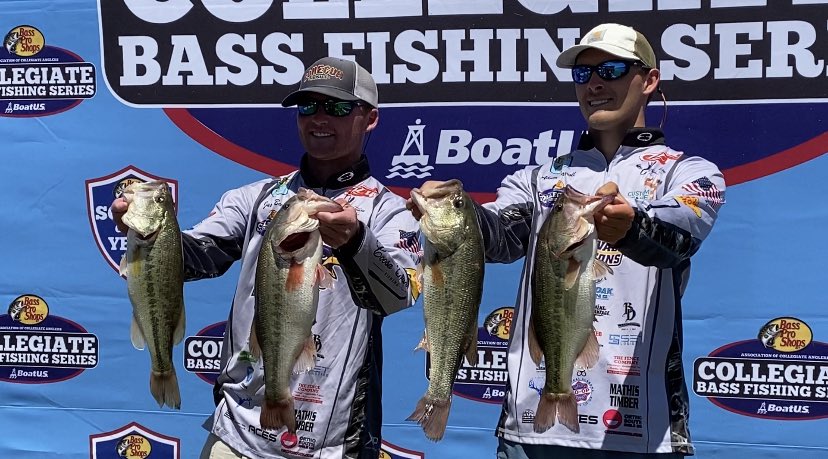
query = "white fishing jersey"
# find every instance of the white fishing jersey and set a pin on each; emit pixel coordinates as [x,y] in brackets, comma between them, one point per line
[337,404]
[634,399]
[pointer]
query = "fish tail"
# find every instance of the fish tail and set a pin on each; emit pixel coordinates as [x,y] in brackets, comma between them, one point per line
[277,414]
[433,416]
[560,406]
[164,388]
[546,413]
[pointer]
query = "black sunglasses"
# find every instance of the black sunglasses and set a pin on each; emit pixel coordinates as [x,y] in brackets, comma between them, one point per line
[607,70]
[338,108]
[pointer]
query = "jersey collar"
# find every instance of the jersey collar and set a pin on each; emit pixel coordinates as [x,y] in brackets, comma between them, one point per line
[349,176]
[635,137]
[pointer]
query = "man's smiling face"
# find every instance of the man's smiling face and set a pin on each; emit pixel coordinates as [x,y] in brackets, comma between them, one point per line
[610,105]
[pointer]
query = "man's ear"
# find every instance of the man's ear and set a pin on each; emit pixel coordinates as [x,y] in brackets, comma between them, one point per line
[651,83]
[373,119]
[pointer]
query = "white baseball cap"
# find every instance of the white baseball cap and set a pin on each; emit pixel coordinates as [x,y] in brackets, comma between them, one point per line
[616,39]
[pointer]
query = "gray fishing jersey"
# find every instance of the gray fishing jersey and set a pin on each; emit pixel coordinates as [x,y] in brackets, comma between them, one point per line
[338,403]
[635,398]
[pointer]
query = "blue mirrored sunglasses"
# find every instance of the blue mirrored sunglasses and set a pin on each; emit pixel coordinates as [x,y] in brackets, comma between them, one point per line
[607,70]
[332,107]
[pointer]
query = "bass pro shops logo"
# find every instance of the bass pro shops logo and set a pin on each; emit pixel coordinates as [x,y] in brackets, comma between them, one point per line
[134,441]
[24,41]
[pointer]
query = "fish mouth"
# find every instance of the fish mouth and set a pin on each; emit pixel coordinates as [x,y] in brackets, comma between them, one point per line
[294,241]
[147,237]
[574,246]
[570,248]
[419,200]
[433,191]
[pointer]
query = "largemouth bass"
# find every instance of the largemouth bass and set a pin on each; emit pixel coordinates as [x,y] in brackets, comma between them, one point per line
[154,269]
[288,276]
[453,286]
[563,303]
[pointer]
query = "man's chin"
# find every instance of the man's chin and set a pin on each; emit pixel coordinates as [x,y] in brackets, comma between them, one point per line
[602,120]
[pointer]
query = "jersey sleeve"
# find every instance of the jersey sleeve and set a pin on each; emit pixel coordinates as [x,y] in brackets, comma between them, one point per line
[380,265]
[506,223]
[669,230]
[211,246]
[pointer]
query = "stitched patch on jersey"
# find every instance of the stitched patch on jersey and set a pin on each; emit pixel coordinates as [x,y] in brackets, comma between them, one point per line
[692,202]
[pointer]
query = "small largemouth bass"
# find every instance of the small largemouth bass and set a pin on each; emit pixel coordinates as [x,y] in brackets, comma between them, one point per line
[288,276]
[453,286]
[154,269]
[563,303]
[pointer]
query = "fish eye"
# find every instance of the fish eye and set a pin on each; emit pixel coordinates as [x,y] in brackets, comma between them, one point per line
[159,199]
[458,203]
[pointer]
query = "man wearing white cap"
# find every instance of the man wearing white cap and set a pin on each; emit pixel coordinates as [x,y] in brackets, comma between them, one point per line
[369,247]
[633,401]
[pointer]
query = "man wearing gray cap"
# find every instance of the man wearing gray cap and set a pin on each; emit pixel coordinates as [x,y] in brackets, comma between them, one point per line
[370,249]
[632,401]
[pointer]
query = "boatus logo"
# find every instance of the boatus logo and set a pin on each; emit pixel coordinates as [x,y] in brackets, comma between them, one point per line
[100,192]
[134,441]
[460,147]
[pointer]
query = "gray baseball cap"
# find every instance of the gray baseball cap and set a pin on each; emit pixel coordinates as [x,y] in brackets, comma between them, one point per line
[616,39]
[340,78]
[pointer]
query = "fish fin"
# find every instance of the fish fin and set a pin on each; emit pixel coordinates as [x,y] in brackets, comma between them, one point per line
[471,347]
[123,267]
[600,268]
[164,388]
[573,269]
[535,350]
[424,343]
[418,272]
[324,279]
[136,335]
[306,359]
[178,334]
[589,354]
[433,416]
[438,279]
[564,407]
[253,343]
[278,414]
[294,277]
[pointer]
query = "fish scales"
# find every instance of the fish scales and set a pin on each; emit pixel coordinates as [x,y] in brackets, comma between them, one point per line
[445,279]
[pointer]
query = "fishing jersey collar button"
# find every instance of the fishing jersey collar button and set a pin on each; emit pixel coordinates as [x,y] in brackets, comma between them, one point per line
[347,177]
